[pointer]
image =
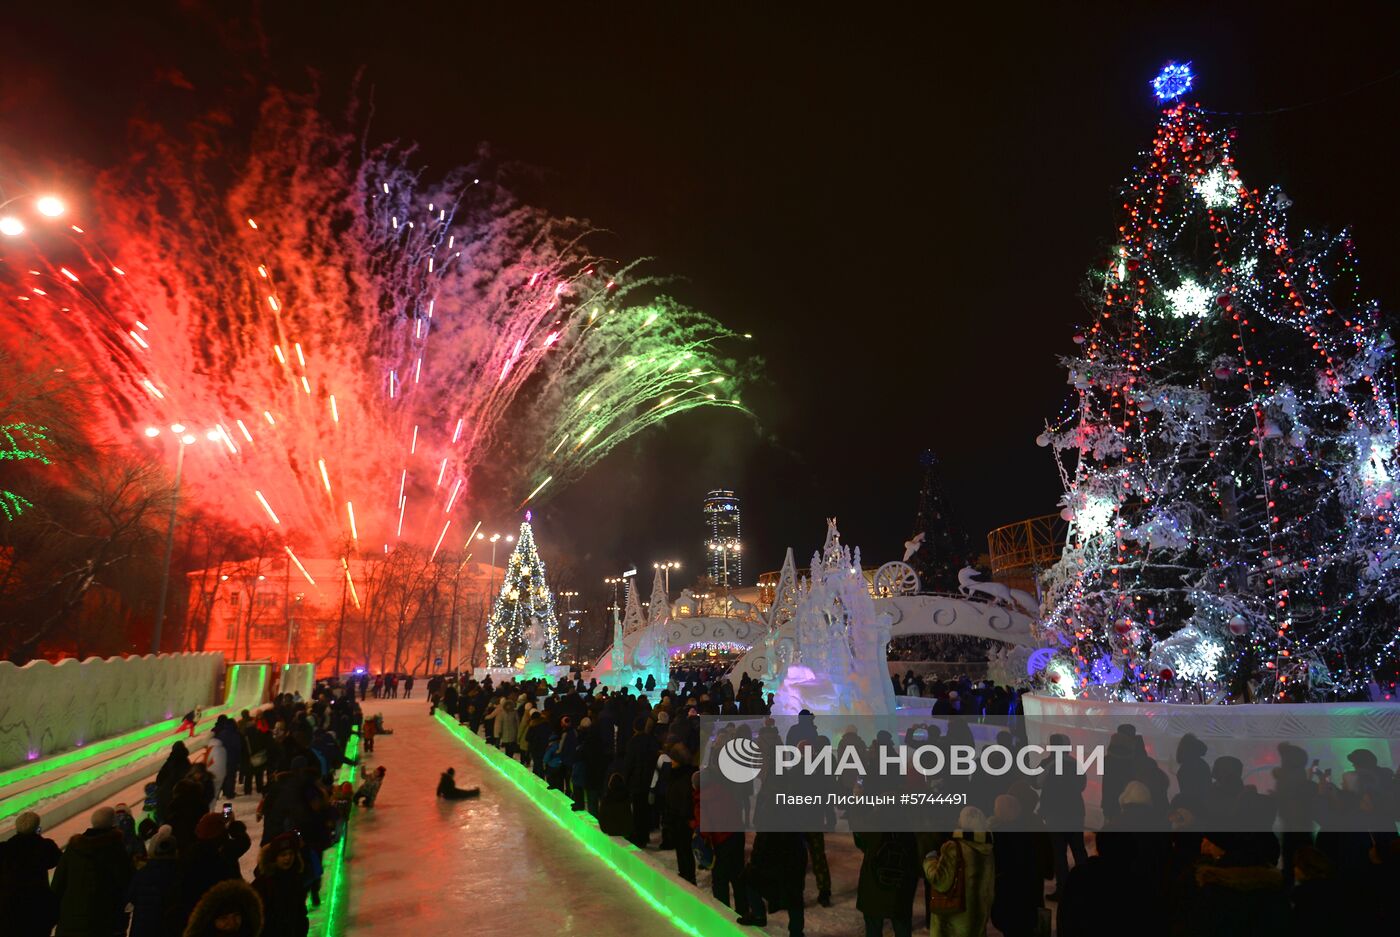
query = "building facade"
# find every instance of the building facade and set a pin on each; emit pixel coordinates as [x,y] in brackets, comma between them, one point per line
[383,616]
[724,560]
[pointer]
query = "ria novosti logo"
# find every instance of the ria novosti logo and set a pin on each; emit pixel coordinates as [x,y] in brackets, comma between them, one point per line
[740,760]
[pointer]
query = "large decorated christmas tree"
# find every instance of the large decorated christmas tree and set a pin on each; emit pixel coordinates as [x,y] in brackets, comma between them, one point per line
[524,596]
[1230,463]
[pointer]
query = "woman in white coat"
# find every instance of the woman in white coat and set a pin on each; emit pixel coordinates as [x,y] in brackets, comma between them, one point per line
[217,761]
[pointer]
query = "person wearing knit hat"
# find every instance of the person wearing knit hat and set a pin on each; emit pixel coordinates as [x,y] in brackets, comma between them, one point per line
[27,906]
[281,883]
[210,826]
[214,854]
[163,844]
[369,787]
[155,888]
[229,909]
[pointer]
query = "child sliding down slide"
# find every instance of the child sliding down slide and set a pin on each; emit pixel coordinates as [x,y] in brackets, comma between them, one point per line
[448,790]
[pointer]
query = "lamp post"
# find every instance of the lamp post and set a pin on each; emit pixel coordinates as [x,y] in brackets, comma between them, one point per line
[568,597]
[185,439]
[291,627]
[666,568]
[725,547]
[491,590]
[614,581]
[47,205]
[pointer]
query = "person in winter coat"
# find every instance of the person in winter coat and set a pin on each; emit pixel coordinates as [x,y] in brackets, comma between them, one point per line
[1192,773]
[889,875]
[615,812]
[774,880]
[1226,789]
[970,847]
[522,732]
[1062,809]
[280,882]
[537,736]
[257,755]
[677,811]
[638,767]
[1240,893]
[1296,798]
[217,761]
[91,880]
[27,906]
[369,788]
[154,893]
[286,803]
[177,765]
[1118,768]
[226,731]
[447,787]
[1022,866]
[213,857]
[229,909]
[1099,894]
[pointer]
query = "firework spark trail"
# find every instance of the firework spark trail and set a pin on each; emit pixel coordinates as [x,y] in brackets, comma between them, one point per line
[354,335]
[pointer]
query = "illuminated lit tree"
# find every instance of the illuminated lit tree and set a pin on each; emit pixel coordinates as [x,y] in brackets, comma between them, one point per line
[524,595]
[1230,464]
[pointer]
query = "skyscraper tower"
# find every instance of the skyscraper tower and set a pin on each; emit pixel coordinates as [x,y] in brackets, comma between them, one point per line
[945,549]
[723,560]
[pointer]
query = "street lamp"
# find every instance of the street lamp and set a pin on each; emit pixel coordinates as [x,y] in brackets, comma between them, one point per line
[186,439]
[724,548]
[666,568]
[47,205]
[490,592]
[614,581]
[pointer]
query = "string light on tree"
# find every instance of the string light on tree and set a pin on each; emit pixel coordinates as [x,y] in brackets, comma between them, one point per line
[524,596]
[20,442]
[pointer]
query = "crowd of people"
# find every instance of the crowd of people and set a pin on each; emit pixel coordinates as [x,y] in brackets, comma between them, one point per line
[381,685]
[172,867]
[1159,866]
[632,763]
[954,648]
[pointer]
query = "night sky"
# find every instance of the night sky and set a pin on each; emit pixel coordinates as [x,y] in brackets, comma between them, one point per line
[901,207]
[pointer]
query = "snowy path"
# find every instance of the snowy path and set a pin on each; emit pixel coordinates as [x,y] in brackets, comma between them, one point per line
[492,865]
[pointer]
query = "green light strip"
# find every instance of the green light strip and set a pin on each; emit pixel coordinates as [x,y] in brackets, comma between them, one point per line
[326,920]
[67,782]
[35,768]
[671,896]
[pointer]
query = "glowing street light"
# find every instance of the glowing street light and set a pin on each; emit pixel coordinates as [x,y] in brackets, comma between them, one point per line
[186,439]
[666,568]
[494,539]
[49,206]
